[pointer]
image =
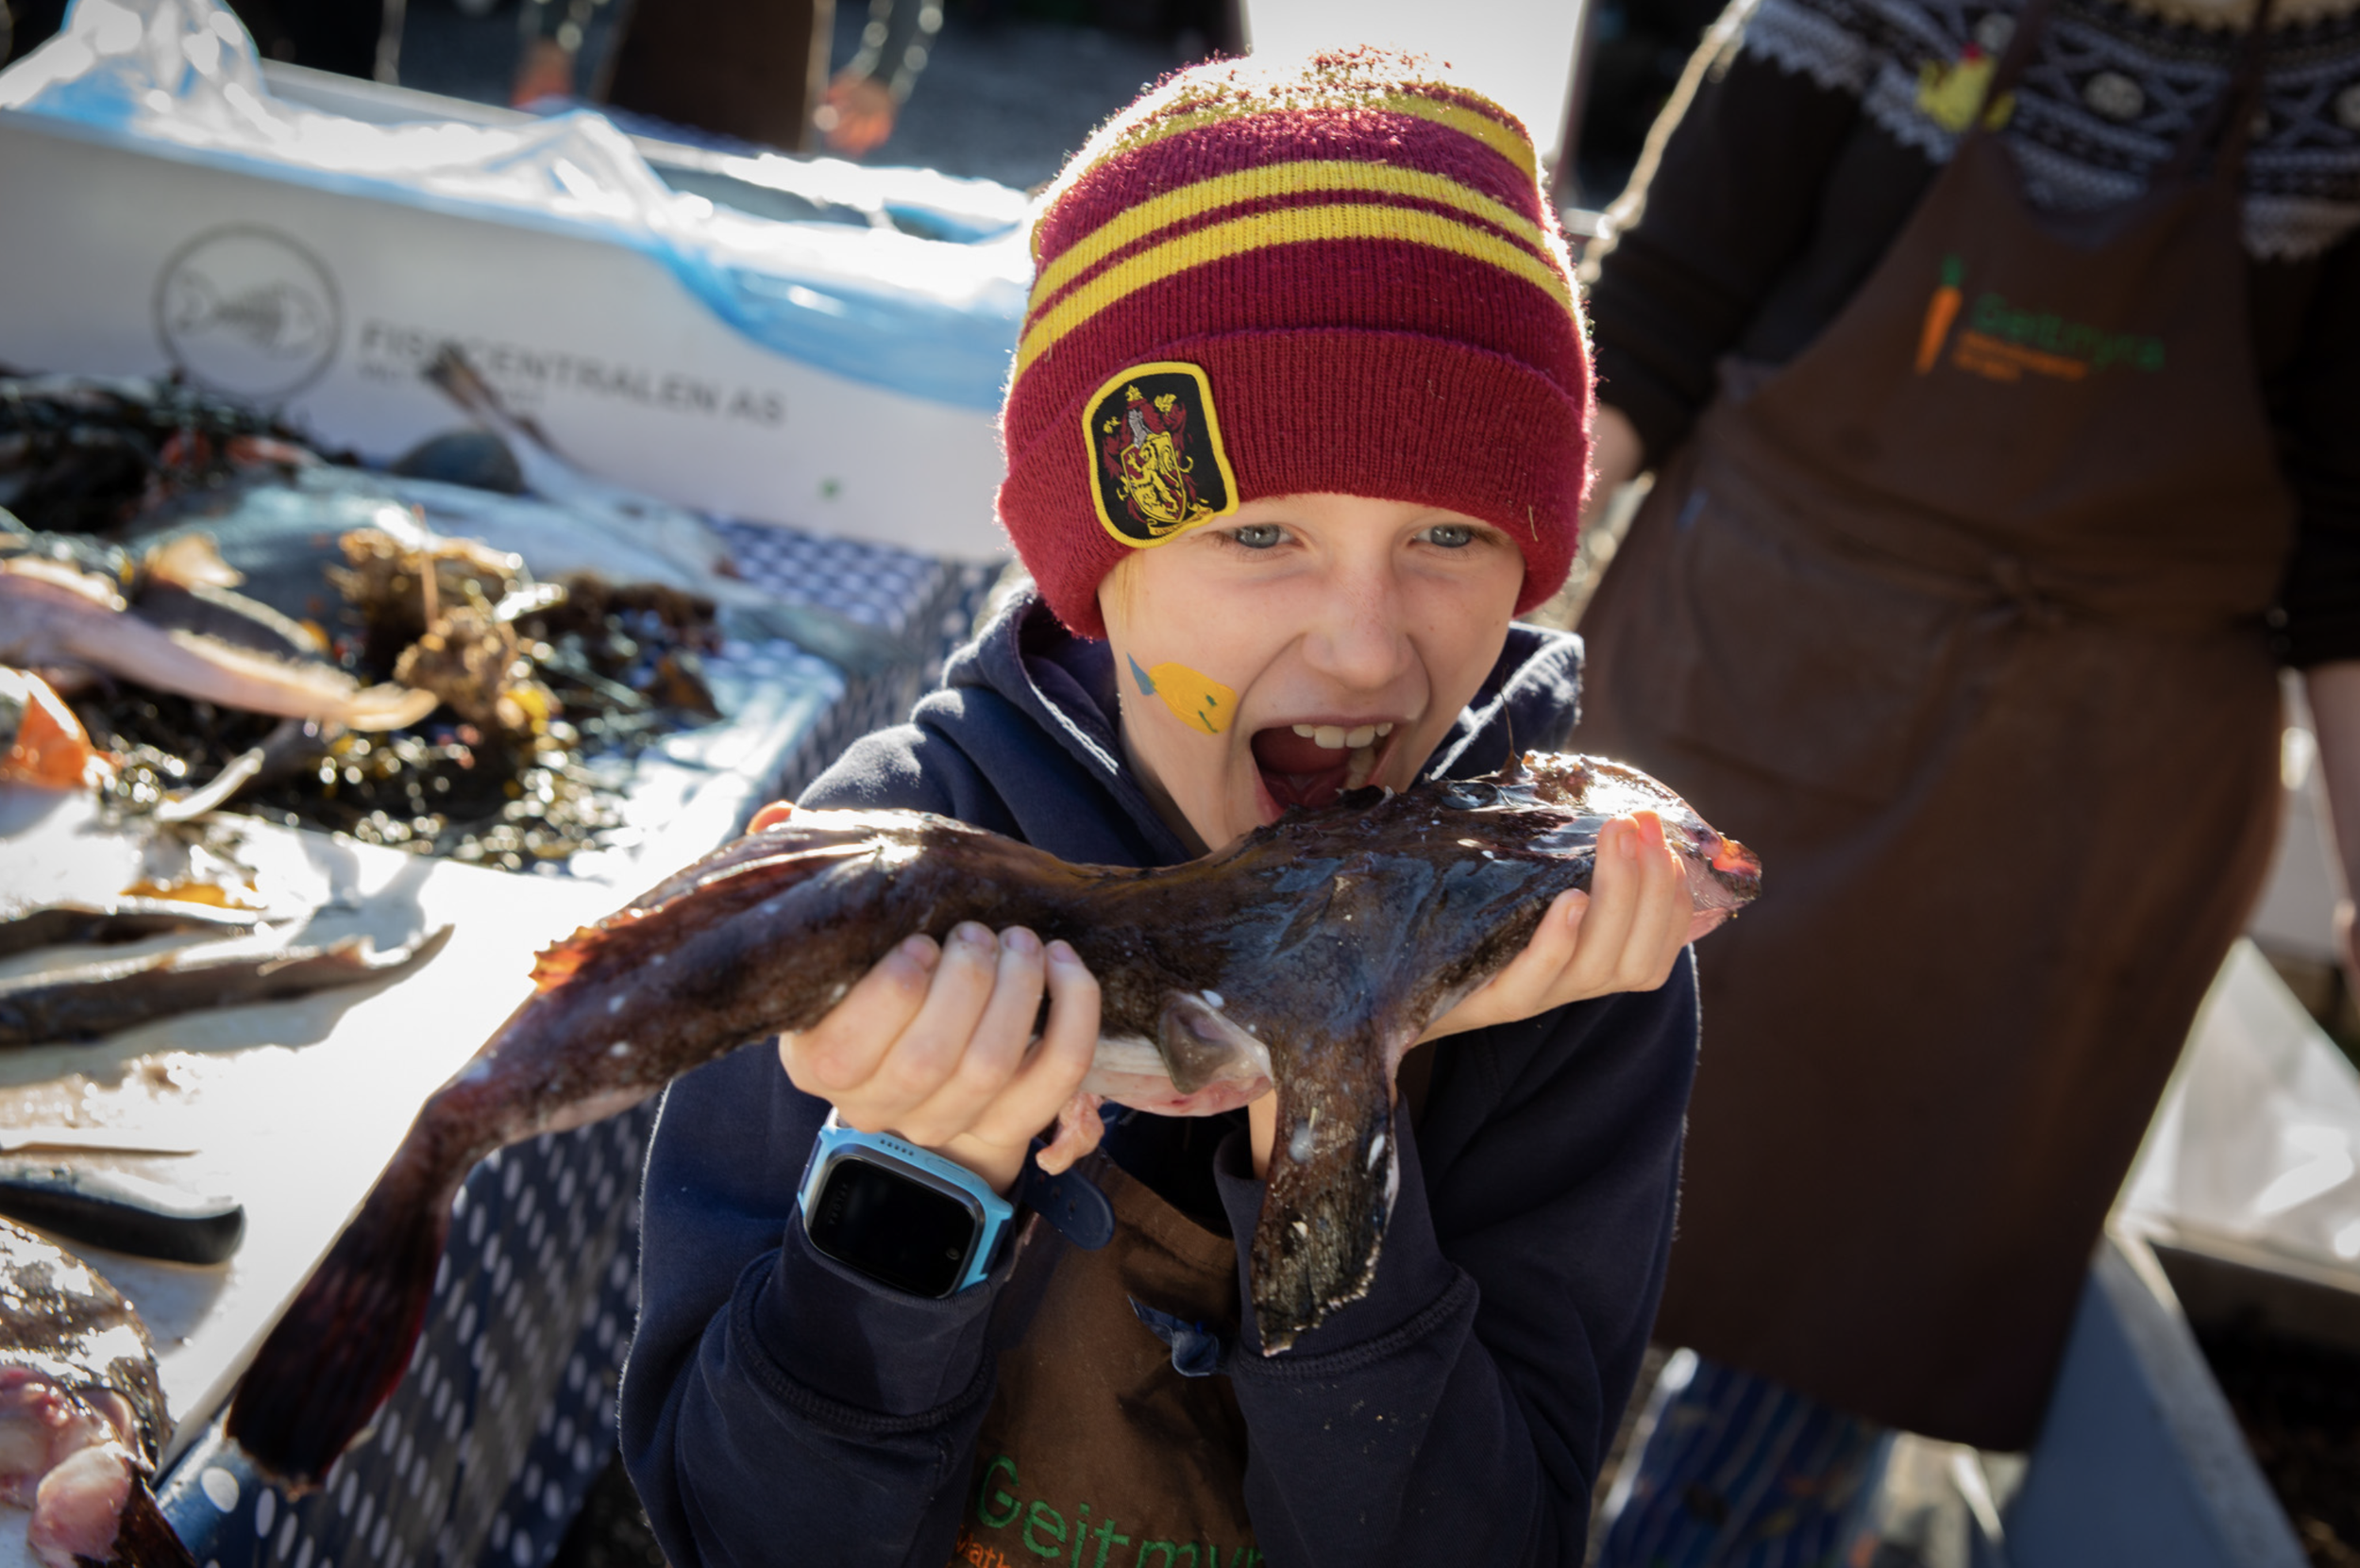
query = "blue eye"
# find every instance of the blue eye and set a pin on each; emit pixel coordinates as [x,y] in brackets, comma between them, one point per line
[1259,536]
[1450,535]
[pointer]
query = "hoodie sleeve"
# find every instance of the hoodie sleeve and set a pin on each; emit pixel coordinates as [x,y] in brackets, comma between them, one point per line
[757,1359]
[1459,1411]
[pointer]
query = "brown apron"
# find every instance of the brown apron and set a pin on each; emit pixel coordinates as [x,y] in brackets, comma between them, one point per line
[1097,1451]
[1957,620]
[752,68]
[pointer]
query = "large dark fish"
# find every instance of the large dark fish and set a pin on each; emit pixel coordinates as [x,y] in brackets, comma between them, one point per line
[1311,953]
[81,1413]
[95,999]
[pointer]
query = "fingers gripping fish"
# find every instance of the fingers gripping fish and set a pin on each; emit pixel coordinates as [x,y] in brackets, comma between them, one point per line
[1310,956]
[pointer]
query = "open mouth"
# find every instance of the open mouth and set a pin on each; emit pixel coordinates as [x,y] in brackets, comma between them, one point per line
[1309,765]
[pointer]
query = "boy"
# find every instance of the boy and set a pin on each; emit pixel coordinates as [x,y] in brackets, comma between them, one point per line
[1297,422]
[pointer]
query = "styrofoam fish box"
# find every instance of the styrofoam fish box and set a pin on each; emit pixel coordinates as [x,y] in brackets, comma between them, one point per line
[166,209]
[2139,1458]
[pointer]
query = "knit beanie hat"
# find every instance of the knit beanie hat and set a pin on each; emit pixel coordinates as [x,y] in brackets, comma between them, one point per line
[1336,277]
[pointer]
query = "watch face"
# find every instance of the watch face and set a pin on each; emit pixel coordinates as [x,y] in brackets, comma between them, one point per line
[893,1227]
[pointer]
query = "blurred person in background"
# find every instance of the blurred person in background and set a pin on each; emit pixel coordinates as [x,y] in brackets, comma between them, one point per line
[755,70]
[352,38]
[1999,364]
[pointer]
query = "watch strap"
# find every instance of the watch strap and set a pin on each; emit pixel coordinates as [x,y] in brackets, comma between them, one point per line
[996,1211]
[1070,1200]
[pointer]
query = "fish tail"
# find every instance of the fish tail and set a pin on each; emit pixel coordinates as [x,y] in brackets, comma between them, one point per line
[145,1538]
[346,1341]
[1333,1172]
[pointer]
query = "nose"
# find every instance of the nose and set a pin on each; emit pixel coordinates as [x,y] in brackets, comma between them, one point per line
[1360,636]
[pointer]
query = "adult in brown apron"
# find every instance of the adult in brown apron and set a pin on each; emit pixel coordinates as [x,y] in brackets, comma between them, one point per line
[1097,1449]
[1957,619]
[754,69]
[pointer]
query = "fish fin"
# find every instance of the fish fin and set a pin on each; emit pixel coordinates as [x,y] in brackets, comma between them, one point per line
[143,1537]
[345,1342]
[725,883]
[391,706]
[1333,1174]
[189,560]
[242,678]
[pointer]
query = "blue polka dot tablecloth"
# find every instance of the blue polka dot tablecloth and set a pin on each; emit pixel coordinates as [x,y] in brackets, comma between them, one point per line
[484,1452]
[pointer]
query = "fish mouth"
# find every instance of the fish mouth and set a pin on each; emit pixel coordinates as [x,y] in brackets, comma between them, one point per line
[1738,867]
[1310,763]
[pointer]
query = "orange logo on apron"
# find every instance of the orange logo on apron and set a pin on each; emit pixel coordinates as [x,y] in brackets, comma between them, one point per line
[2004,343]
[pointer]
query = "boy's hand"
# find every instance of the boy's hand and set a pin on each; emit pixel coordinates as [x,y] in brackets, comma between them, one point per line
[1624,935]
[935,1045]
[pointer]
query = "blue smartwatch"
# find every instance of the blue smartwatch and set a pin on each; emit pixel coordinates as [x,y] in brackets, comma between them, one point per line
[888,1209]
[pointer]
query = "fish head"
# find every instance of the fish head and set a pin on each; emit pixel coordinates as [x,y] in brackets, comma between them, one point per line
[1554,805]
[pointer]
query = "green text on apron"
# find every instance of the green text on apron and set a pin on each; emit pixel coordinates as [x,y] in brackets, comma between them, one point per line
[1956,619]
[1096,1453]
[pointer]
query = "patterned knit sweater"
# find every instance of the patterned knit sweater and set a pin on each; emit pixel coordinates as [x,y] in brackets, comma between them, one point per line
[1815,125]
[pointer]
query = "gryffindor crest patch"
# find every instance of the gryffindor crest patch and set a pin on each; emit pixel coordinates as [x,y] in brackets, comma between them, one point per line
[1156,450]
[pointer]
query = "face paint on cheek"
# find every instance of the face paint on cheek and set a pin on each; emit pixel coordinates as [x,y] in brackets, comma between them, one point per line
[1197,697]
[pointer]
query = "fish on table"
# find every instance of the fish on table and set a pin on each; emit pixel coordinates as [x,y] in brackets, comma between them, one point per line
[82,1416]
[1310,956]
[282,534]
[63,621]
[24,927]
[92,1001]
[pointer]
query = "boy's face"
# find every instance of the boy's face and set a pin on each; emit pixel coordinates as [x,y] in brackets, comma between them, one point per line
[1305,646]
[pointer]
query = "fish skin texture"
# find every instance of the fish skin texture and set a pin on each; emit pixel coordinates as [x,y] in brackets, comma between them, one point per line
[1310,954]
[76,1359]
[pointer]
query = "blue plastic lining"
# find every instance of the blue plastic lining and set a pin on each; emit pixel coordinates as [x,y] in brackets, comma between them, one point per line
[928,306]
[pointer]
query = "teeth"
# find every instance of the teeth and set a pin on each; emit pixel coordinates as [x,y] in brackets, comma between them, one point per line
[1363,763]
[1335,738]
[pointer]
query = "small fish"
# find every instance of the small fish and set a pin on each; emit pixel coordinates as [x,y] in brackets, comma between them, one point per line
[81,1413]
[282,536]
[54,616]
[1310,954]
[92,1001]
[23,929]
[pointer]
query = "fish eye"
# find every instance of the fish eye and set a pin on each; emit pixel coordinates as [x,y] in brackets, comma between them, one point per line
[1259,536]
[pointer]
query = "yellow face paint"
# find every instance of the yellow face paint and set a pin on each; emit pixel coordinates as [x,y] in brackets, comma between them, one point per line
[1197,697]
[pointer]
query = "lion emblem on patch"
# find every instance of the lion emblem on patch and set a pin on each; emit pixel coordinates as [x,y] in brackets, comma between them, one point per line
[1157,455]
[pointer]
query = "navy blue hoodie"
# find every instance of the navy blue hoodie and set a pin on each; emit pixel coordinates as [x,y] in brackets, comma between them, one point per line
[778,1407]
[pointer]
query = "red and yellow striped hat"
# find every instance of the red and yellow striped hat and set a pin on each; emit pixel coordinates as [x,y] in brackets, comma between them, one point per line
[1340,277]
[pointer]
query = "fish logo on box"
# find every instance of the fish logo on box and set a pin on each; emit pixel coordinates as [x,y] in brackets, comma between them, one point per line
[246,311]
